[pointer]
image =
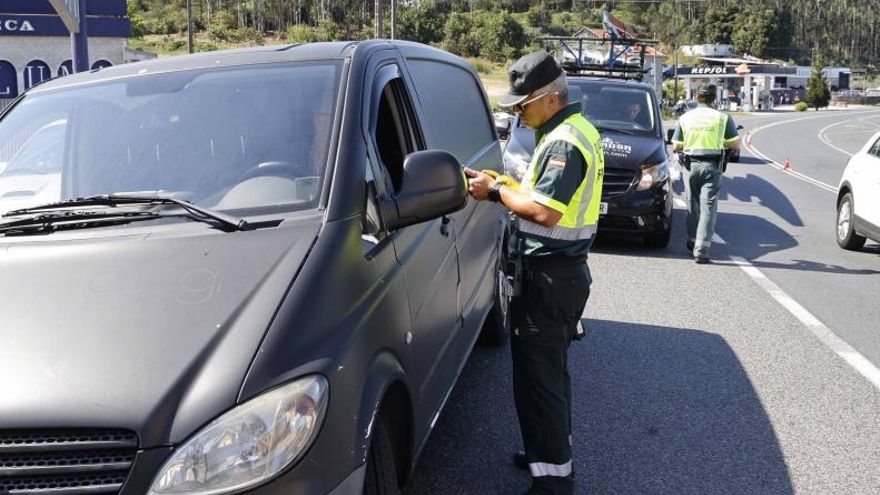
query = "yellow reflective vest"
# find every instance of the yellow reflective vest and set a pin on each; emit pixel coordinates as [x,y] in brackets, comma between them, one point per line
[702,131]
[581,214]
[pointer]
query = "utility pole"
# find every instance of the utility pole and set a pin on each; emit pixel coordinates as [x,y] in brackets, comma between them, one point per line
[393,19]
[675,54]
[379,32]
[189,25]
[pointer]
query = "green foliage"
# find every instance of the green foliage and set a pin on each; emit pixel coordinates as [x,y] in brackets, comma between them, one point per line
[752,30]
[669,93]
[326,30]
[801,106]
[421,22]
[222,26]
[496,36]
[538,17]
[818,94]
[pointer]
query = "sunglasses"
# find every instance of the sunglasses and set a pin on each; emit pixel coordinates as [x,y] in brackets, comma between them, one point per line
[520,107]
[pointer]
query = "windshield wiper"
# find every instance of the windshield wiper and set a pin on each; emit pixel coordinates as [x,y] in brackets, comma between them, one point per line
[67,220]
[615,129]
[229,222]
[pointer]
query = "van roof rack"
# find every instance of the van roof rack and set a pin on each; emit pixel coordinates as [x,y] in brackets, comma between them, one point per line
[605,57]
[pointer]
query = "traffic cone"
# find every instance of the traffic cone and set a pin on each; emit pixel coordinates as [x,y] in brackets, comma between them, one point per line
[787,164]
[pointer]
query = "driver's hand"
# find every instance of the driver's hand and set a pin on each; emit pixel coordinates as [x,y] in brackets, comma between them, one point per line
[478,183]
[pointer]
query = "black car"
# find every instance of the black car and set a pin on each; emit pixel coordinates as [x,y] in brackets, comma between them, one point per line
[637,189]
[260,272]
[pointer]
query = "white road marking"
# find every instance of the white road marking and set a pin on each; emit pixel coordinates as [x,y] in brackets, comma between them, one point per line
[794,173]
[825,140]
[816,327]
[852,357]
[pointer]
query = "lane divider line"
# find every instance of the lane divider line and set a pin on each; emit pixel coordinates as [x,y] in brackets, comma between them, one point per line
[846,352]
[825,335]
[824,138]
[798,175]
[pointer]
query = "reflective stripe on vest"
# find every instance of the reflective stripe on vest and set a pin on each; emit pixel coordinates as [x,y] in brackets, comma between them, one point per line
[582,211]
[703,130]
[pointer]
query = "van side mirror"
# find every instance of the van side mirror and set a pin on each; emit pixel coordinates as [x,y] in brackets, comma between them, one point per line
[433,185]
[503,123]
[669,134]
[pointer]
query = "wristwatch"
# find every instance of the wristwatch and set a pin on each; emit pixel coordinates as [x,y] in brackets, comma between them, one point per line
[494,193]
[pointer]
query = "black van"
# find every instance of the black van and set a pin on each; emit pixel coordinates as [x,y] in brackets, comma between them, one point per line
[259,272]
[637,188]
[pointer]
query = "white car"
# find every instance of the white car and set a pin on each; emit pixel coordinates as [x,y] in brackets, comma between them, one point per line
[858,197]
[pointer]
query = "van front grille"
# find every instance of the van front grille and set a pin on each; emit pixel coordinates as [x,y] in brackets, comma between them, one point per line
[65,462]
[616,182]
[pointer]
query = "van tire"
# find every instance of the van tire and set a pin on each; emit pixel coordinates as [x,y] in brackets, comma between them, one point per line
[660,240]
[381,472]
[496,329]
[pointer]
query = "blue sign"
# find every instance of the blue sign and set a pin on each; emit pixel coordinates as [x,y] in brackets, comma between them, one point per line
[66,68]
[8,80]
[35,72]
[101,64]
[44,25]
[93,7]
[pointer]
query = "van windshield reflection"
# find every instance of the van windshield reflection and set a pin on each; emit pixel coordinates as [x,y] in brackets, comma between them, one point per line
[227,139]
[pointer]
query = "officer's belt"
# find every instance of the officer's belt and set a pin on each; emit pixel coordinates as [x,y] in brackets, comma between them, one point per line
[547,262]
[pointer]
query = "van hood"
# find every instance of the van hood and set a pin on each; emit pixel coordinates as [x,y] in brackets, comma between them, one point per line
[150,329]
[630,151]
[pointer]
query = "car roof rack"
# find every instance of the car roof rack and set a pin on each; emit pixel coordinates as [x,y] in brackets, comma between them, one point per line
[581,56]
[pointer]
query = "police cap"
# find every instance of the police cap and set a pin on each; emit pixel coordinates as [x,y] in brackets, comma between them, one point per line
[707,90]
[529,73]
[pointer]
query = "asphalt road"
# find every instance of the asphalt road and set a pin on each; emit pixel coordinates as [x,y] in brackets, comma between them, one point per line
[754,375]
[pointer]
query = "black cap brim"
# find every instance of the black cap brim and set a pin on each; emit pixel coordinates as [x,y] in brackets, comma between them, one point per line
[509,100]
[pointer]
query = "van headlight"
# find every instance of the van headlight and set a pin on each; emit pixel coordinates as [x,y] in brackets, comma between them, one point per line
[249,444]
[653,174]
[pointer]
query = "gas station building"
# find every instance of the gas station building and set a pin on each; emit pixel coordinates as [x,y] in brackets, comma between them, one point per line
[752,84]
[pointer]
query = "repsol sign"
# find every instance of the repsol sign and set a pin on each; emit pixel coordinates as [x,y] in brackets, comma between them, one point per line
[709,69]
[16,25]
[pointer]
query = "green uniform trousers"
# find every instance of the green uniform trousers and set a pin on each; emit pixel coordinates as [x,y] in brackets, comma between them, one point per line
[544,318]
[702,183]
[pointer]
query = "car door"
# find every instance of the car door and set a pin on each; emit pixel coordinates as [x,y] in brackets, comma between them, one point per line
[425,250]
[452,102]
[868,205]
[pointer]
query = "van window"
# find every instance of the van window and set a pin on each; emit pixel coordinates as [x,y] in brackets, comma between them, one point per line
[396,134]
[227,138]
[456,117]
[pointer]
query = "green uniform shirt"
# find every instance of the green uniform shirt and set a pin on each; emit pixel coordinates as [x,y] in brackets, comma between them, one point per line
[561,170]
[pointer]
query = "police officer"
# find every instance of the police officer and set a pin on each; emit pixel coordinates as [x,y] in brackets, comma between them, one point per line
[556,209]
[702,136]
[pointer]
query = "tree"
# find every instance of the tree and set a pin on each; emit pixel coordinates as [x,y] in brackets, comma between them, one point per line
[752,30]
[818,94]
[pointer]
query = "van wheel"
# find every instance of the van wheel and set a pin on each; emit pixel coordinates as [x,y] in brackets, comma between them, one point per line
[660,240]
[846,234]
[381,475]
[496,329]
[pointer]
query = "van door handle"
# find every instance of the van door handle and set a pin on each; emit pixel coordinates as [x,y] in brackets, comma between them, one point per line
[444,226]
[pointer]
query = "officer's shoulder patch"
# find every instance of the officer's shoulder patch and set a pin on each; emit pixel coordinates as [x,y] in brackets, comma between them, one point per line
[556,162]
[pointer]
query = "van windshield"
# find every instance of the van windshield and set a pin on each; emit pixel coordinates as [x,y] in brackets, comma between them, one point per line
[229,139]
[616,107]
